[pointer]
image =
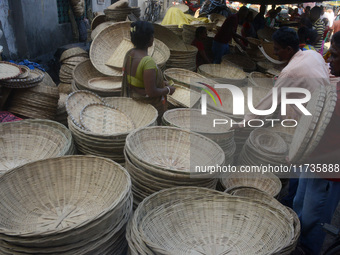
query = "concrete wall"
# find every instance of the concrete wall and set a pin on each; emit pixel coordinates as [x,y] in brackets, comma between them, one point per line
[43,32]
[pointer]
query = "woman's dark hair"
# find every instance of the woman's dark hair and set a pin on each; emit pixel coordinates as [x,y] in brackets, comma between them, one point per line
[141,34]
[307,35]
[199,31]
[285,37]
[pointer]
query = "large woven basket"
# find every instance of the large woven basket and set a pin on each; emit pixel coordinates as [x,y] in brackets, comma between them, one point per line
[224,73]
[29,140]
[174,28]
[68,213]
[172,149]
[185,59]
[100,28]
[241,61]
[266,182]
[99,19]
[236,221]
[187,78]
[184,97]
[104,45]
[156,200]
[266,34]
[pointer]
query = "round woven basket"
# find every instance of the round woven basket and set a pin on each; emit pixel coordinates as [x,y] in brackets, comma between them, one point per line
[224,73]
[241,61]
[236,221]
[266,182]
[105,44]
[156,200]
[187,78]
[99,19]
[72,52]
[161,53]
[31,80]
[185,59]
[261,80]
[72,216]
[172,149]
[174,28]
[29,140]
[8,70]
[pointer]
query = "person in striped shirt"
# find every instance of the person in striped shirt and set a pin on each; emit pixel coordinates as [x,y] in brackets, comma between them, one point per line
[318,26]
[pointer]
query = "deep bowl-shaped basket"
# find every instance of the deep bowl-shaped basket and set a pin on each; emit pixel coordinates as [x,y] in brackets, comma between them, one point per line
[25,141]
[173,149]
[266,182]
[60,201]
[216,225]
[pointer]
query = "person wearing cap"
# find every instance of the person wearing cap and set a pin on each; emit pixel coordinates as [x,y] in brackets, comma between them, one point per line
[142,79]
[317,198]
[227,32]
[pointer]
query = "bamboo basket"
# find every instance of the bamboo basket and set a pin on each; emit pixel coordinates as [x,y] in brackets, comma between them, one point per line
[29,140]
[237,221]
[169,38]
[261,80]
[241,61]
[86,222]
[184,97]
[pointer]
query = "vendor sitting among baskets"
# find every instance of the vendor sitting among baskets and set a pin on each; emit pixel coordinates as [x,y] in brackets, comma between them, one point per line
[142,80]
[198,42]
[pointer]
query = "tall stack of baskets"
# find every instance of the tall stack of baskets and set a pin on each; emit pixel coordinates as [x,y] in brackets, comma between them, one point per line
[66,205]
[110,145]
[207,222]
[164,157]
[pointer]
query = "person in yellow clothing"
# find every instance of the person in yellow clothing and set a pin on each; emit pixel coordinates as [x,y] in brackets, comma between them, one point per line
[142,79]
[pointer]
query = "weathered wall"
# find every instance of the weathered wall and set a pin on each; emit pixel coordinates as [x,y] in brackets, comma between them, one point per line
[40,25]
[8,40]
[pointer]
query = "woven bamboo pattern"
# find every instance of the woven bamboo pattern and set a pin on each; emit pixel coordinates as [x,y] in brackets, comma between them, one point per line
[38,102]
[262,197]
[169,38]
[185,59]
[8,70]
[146,181]
[232,230]
[33,78]
[324,119]
[72,52]
[104,44]
[241,61]
[72,216]
[224,73]
[112,146]
[106,85]
[217,18]
[174,28]
[184,97]
[76,101]
[120,14]
[163,197]
[29,140]
[173,149]
[306,126]
[161,53]
[104,119]
[261,80]
[267,50]
[193,120]
[100,27]
[253,42]
[266,182]
[187,78]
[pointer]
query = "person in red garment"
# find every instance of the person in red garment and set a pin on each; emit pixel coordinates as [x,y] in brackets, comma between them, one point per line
[317,198]
[198,42]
